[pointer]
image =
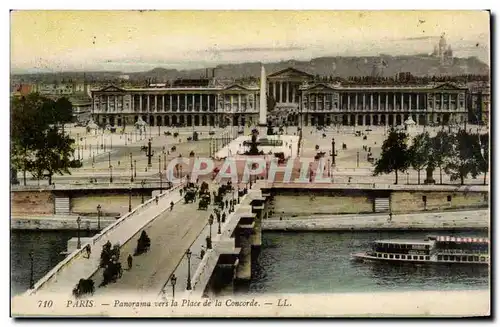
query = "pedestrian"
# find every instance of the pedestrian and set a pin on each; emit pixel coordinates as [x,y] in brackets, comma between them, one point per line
[180,191]
[156,199]
[171,205]
[202,252]
[390,217]
[129,261]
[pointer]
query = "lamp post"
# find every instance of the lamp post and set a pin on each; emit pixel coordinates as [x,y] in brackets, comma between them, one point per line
[407,177]
[159,164]
[135,168]
[109,158]
[131,168]
[173,281]
[129,198]
[79,243]
[32,280]
[111,174]
[218,222]
[142,187]
[161,182]
[210,222]
[357,159]
[164,159]
[188,255]
[98,217]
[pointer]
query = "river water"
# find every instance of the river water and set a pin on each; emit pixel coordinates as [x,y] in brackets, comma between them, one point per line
[46,246]
[305,262]
[319,262]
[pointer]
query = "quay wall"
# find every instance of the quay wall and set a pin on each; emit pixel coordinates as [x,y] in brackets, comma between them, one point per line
[318,202]
[456,220]
[110,203]
[32,202]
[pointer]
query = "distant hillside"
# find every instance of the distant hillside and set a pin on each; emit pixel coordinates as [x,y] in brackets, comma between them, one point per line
[384,65]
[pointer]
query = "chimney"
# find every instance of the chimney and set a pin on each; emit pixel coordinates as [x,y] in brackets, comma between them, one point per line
[213,72]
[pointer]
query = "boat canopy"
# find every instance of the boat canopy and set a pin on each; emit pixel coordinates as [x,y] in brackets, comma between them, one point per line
[462,239]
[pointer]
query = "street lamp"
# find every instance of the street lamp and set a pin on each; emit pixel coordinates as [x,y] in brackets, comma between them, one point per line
[164,159]
[218,222]
[407,177]
[131,168]
[129,198]
[109,158]
[142,193]
[32,280]
[98,217]
[111,174]
[210,222]
[79,243]
[357,159]
[188,255]
[173,281]
[135,168]
[161,182]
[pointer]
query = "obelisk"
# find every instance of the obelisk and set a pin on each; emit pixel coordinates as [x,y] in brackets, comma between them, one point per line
[263,103]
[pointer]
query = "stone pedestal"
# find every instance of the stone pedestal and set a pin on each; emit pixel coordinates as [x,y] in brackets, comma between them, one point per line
[262,130]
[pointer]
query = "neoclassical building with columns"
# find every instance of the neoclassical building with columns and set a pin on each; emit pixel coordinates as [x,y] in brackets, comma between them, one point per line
[324,104]
[308,103]
[177,106]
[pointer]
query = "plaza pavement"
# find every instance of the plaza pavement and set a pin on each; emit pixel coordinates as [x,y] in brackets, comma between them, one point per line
[347,165]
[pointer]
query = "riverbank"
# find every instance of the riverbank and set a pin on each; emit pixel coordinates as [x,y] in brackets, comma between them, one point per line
[456,220]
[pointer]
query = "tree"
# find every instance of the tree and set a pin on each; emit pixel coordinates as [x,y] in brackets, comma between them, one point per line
[462,160]
[483,154]
[441,147]
[395,155]
[54,155]
[36,143]
[26,125]
[63,111]
[419,152]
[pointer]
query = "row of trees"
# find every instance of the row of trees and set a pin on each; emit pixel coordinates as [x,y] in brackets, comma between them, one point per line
[38,142]
[458,154]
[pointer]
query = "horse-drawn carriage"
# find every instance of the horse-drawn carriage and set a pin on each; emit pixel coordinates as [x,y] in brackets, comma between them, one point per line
[190,195]
[204,201]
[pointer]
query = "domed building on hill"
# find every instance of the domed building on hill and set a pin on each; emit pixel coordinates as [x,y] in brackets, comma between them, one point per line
[443,52]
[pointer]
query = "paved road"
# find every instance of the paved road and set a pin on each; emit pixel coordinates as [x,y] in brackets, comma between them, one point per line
[171,235]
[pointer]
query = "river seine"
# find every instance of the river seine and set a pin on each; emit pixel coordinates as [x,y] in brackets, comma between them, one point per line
[319,262]
[305,262]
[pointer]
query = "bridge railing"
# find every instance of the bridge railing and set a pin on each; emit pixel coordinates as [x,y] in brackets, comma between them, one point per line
[80,252]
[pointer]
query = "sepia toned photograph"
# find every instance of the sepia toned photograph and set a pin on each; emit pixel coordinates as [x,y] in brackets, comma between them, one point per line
[175,163]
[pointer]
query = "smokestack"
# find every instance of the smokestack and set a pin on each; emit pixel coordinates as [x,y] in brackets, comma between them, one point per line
[206,72]
[213,72]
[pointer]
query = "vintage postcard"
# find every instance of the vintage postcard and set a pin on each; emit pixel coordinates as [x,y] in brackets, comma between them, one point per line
[250,164]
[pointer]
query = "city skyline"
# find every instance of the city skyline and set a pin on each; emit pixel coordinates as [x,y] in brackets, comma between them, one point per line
[99,40]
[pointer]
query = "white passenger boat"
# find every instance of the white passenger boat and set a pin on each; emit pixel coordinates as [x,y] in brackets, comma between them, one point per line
[431,250]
